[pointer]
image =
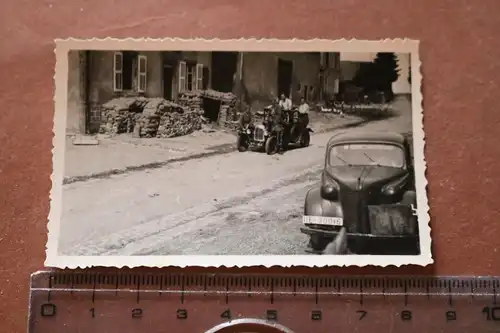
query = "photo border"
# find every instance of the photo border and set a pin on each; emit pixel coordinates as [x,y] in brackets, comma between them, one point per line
[398,45]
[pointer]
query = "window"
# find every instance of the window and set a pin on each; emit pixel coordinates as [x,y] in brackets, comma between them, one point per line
[129,71]
[190,76]
[118,72]
[199,77]
[182,76]
[367,154]
[142,73]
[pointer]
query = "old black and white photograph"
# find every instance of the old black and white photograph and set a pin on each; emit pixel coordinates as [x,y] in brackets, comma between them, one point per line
[238,153]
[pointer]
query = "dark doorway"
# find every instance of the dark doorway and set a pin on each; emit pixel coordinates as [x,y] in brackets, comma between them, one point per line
[127,68]
[285,71]
[168,77]
[211,108]
[224,65]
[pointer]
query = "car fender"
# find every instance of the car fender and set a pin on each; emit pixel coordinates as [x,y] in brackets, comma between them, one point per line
[315,205]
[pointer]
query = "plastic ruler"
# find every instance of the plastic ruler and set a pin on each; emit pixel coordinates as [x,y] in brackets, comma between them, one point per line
[90,302]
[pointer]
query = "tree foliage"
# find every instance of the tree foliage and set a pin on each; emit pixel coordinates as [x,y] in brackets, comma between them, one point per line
[387,64]
[379,74]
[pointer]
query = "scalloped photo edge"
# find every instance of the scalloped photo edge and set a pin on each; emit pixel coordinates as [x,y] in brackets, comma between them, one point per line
[85,253]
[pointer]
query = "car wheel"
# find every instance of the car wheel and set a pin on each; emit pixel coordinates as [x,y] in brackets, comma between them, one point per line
[305,139]
[271,146]
[242,143]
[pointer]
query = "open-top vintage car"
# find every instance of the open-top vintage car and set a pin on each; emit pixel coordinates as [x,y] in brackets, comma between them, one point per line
[263,136]
[367,196]
[260,135]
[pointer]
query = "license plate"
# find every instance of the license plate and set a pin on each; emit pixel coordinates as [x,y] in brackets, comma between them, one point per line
[323,220]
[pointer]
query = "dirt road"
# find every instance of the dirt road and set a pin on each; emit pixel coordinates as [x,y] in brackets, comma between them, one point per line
[237,203]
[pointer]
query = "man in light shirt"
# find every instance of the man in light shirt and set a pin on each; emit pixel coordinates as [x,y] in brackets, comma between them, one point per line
[303,107]
[285,103]
[304,112]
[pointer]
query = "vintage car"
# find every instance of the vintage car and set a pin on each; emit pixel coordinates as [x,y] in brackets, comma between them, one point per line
[296,131]
[367,196]
[260,135]
[263,136]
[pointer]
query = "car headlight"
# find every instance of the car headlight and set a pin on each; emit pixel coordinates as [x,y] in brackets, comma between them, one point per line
[329,187]
[395,186]
[389,190]
[249,132]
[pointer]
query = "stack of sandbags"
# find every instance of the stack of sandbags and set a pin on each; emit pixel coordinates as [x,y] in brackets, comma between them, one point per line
[147,125]
[177,120]
[219,96]
[152,106]
[148,120]
[223,114]
[162,118]
[193,100]
[177,123]
[116,117]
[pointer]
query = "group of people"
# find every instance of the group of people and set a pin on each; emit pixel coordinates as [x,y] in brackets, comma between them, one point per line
[279,105]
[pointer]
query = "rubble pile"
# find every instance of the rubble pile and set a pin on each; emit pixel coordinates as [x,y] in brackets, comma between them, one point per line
[149,117]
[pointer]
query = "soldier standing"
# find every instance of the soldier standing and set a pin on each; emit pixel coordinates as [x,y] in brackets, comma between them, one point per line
[278,123]
[245,118]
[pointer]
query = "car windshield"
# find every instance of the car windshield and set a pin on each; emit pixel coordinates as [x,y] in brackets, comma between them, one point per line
[367,154]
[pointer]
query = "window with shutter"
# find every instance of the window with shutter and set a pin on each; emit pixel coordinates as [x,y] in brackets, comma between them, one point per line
[199,77]
[182,76]
[142,73]
[118,71]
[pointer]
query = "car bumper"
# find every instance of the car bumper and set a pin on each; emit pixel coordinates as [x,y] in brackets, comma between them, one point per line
[367,243]
[333,233]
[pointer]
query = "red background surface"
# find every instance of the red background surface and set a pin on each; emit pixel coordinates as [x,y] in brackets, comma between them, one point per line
[459,52]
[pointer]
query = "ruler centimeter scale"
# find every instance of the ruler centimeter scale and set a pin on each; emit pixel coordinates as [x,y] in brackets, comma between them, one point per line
[90,302]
